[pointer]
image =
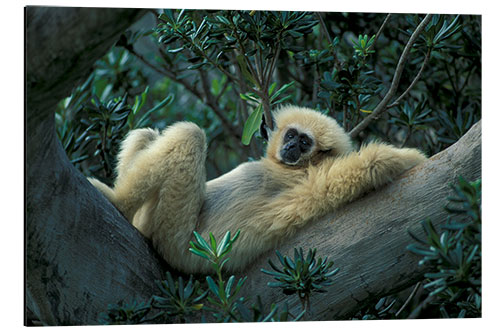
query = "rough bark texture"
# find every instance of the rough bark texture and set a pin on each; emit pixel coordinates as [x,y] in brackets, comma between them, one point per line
[81,254]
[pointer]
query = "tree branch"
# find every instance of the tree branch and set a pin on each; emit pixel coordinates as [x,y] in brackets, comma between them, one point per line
[382,106]
[415,80]
[379,32]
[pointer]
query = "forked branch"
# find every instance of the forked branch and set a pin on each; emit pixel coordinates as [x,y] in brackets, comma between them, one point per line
[382,106]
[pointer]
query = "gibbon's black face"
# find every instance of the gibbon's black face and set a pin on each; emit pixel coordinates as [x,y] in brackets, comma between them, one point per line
[295,144]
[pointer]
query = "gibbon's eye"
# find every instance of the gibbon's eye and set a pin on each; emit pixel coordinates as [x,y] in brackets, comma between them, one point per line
[290,134]
[305,142]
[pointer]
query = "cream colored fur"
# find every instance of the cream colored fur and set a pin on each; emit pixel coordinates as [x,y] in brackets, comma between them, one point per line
[161,186]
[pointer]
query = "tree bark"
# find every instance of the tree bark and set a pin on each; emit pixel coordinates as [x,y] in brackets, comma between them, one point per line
[81,254]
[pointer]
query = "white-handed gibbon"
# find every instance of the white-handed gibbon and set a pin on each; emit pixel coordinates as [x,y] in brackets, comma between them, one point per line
[310,169]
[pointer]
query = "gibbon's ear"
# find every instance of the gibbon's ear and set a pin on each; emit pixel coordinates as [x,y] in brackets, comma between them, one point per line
[265,131]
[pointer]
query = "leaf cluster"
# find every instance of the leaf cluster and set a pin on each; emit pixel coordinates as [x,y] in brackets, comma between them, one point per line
[301,275]
[190,301]
[350,86]
[454,254]
[91,129]
[438,34]
[132,313]
[179,299]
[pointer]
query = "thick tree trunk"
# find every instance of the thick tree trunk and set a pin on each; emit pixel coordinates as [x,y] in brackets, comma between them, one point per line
[82,255]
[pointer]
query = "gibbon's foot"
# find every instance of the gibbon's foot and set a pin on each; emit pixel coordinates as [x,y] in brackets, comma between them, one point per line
[135,141]
[173,163]
[103,188]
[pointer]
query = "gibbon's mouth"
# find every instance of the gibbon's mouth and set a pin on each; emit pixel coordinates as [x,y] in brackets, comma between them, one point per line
[290,157]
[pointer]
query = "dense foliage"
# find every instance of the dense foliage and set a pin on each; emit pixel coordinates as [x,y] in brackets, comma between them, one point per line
[216,301]
[226,70]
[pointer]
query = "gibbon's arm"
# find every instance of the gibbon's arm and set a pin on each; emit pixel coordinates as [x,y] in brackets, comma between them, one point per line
[335,182]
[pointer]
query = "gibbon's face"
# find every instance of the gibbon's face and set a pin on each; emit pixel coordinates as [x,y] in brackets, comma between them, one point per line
[303,136]
[297,146]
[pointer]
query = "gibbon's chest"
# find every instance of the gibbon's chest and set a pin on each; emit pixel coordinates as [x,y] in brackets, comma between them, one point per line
[235,194]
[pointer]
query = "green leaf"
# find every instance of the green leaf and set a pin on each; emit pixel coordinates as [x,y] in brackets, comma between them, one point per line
[229,286]
[271,88]
[213,287]
[223,244]
[281,90]
[250,97]
[201,241]
[139,101]
[213,243]
[199,253]
[252,125]
[173,51]
[244,69]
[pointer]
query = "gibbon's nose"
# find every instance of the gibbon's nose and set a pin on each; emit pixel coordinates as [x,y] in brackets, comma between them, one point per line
[290,145]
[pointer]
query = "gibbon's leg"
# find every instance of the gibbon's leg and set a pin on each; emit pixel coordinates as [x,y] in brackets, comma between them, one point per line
[338,181]
[171,164]
[163,189]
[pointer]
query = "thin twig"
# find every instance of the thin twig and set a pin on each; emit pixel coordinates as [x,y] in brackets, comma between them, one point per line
[269,73]
[414,291]
[382,106]
[415,80]
[222,91]
[379,32]
[330,39]
[209,99]
[201,52]
[243,51]
[416,312]
[323,27]
[171,75]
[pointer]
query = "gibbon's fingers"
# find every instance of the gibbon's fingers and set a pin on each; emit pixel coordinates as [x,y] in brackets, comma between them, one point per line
[386,162]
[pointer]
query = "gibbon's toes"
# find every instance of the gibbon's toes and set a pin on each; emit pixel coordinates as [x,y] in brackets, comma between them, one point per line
[140,138]
[135,141]
[187,132]
[182,141]
[103,188]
